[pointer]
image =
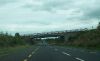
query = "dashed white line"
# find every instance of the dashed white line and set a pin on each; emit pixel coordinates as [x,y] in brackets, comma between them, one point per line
[33,52]
[36,49]
[25,59]
[92,52]
[56,49]
[30,56]
[79,59]
[66,53]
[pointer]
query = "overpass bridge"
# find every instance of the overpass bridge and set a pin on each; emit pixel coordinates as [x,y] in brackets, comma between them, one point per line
[66,35]
[42,35]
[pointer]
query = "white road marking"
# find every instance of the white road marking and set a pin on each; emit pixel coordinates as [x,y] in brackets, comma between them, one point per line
[79,59]
[92,52]
[30,56]
[82,51]
[56,49]
[36,49]
[25,60]
[66,53]
[33,52]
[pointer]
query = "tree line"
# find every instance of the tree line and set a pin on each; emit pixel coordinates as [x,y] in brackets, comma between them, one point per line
[7,40]
[88,39]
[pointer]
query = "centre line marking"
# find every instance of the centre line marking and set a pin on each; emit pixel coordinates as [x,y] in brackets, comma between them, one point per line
[30,56]
[33,52]
[56,49]
[25,60]
[66,53]
[36,49]
[79,59]
[92,52]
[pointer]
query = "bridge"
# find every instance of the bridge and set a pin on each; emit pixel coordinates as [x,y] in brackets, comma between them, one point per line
[65,34]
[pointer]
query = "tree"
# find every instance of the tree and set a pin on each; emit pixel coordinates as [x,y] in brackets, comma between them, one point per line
[17,35]
[98,27]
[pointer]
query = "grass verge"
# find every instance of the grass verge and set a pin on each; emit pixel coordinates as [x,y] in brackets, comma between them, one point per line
[7,50]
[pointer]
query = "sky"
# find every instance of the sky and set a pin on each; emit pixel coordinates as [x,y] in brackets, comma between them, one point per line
[36,16]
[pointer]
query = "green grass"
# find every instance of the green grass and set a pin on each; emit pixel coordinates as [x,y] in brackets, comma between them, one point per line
[7,50]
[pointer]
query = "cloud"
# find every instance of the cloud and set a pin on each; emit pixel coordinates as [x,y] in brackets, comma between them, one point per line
[4,2]
[32,16]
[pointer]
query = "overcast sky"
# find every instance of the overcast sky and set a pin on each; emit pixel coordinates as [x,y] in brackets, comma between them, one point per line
[31,16]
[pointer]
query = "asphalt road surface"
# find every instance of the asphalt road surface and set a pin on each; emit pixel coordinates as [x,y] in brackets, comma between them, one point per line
[52,53]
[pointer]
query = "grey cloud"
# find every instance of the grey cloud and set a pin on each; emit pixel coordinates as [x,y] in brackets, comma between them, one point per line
[94,14]
[91,10]
[3,2]
[49,5]
[51,15]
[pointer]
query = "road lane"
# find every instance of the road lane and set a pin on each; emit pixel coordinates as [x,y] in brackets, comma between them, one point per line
[51,53]
[80,53]
[19,55]
[46,53]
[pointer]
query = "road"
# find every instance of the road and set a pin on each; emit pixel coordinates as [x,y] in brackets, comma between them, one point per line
[52,53]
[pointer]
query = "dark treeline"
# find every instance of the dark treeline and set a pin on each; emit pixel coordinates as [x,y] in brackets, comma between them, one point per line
[87,39]
[7,40]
